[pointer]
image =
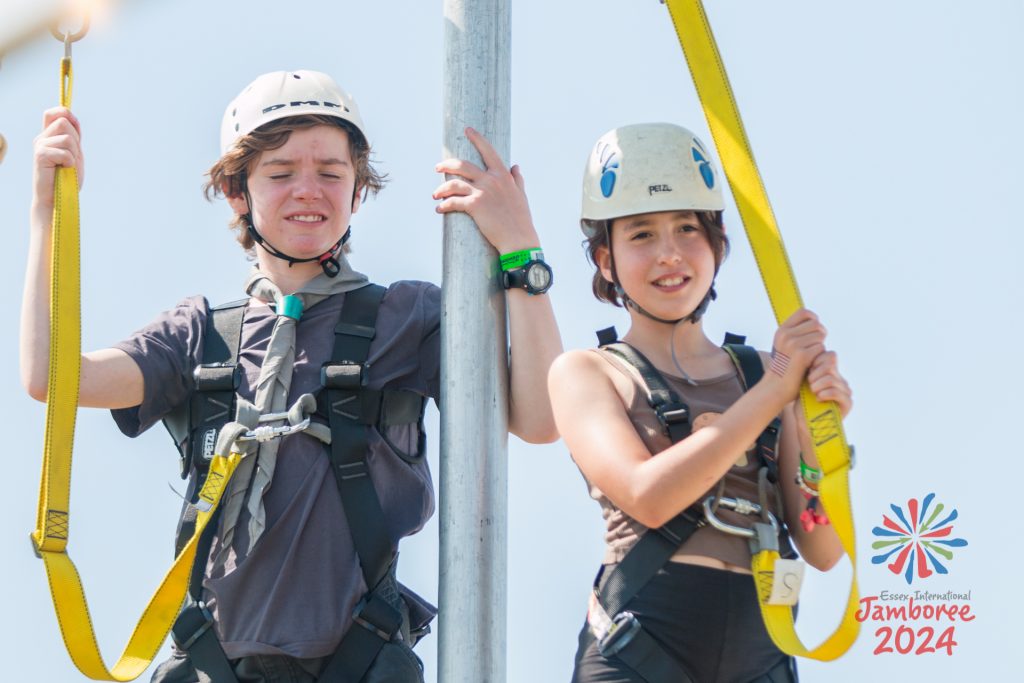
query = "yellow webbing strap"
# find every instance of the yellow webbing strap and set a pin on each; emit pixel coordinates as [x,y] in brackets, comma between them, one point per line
[50,537]
[824,420]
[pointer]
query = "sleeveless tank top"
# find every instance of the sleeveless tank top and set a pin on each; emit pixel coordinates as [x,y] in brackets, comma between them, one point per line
[706,401]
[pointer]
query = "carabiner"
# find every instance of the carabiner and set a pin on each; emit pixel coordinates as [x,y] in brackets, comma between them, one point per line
[741,506]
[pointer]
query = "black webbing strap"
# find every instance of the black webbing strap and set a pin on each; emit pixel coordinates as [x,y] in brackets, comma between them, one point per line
[673,414]
[193,633]
[380,407]
[751,369]
[210,406]
[193,630]
[645,656]
[642,653]
[644,560]
[376,619]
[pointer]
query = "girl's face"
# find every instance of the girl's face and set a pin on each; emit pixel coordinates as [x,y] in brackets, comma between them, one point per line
[302,192]
[663,260]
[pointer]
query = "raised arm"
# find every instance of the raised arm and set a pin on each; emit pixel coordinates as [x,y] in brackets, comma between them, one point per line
[495,198]
[109,378]
[595,425]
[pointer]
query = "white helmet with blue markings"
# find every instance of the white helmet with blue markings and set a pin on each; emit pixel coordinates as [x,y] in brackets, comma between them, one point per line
[648,167]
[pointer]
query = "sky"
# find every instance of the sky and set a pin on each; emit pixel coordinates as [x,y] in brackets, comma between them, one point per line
[888,138]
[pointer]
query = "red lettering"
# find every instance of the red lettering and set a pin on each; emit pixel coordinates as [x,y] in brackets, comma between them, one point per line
[862,613]
[904,630]
[882,646]
[928,632]
[946,641]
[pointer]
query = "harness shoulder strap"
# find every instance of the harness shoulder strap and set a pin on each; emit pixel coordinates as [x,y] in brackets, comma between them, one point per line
[209,408]
[194,425]
[218,358]
[748,363]
[673,414]
[378,616]
[654,548]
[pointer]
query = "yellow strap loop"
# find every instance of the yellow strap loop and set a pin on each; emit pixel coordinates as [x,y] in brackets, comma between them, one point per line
[823,419]
[51,534]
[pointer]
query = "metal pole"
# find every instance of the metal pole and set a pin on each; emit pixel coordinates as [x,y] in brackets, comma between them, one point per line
[474,422]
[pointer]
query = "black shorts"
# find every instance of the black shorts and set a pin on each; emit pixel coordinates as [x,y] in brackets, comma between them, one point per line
[707,619]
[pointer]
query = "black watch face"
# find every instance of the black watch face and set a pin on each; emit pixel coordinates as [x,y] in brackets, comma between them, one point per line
[538,276]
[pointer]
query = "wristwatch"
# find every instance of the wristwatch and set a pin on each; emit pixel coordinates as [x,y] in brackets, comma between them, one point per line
[534,276]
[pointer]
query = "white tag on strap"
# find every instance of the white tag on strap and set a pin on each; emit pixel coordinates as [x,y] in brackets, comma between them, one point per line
[789,576]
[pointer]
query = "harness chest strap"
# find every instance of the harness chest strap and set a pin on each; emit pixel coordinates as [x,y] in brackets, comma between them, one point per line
[350,409]
[825,422]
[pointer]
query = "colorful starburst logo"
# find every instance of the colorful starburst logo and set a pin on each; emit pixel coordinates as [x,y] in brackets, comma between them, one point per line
[916,539]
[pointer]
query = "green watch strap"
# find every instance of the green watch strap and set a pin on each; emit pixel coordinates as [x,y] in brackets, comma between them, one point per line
[518,259]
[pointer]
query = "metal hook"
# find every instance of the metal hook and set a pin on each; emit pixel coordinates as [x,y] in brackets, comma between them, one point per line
[69,37]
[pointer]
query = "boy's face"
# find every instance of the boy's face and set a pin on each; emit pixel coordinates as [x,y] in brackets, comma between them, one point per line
[302,193]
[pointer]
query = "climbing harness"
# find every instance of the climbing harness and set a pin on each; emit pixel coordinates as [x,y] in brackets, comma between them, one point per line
[823,419]
[618,631]
[350,409]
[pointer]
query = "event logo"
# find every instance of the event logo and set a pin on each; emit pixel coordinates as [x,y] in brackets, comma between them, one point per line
[916,540]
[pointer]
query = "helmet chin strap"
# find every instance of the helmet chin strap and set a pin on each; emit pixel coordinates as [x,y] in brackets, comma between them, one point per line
[328,260]
[693,317]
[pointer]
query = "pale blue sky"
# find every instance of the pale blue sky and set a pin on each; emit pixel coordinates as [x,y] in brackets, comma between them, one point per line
[888,137]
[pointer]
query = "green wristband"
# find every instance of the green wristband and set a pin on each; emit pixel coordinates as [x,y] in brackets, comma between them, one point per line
[808,473]
[518,259]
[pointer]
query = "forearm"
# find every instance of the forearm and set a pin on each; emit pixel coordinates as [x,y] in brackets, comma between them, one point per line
[535,343]
[820,547]
[35,308]
[677,477]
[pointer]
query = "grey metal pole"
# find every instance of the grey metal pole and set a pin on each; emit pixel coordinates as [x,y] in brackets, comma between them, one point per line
[474,422]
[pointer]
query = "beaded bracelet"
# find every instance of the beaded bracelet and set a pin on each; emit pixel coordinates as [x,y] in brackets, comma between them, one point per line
[808,478]
[808,491]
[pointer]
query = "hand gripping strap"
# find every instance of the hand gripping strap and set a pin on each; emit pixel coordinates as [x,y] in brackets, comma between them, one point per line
[824,420]
[50,537]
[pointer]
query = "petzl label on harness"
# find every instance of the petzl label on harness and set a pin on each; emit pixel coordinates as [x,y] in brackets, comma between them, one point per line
[209,443]
[786,582]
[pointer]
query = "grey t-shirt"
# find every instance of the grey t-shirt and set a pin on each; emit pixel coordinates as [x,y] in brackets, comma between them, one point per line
[295,592]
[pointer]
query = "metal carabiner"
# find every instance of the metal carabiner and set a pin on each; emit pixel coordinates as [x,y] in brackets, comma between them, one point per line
[744,507]
[265,433]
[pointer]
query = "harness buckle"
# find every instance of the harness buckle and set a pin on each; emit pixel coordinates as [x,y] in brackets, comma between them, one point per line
[377,616]
[672,414]
[217,377]
[623,629]
[196,619]
[344,375]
